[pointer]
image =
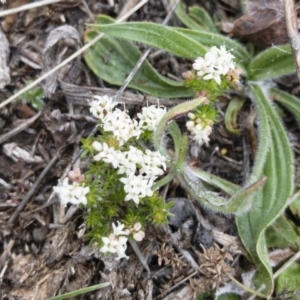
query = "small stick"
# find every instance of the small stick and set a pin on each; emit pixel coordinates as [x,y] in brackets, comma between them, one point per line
[4,137]
[26,7]
[32,189]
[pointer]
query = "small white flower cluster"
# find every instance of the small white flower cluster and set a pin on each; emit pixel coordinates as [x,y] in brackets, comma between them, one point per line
[215,63]
[149,166]
[116,242]
[3,1]
[74,193]
[150,117]
[119,122]
[199,131]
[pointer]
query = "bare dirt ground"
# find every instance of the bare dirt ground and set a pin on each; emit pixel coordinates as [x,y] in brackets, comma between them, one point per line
[43,249]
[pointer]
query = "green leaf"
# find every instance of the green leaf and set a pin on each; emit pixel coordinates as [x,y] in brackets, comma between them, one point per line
[186,19]
[291,102]
[176,135]
[264,135]
[156,35]
[232,111]
[273,62]
[226,186]
[81,291]
[283,234]
[163,181]
[229,296]
[237,204]
[112,59]
[295,208]
[201,16]
[289,280]
[197,18]
[272,199]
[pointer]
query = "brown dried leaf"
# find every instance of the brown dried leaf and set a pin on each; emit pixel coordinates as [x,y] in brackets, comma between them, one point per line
[263,24]
[60,44]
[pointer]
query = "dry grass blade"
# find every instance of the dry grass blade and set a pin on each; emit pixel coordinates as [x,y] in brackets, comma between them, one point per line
[27,7]
[74,55]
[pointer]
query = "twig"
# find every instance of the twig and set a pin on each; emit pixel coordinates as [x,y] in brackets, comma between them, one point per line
[27,7]
[292,30]
[4,137]
[32,189]
[74,55]
[139,254]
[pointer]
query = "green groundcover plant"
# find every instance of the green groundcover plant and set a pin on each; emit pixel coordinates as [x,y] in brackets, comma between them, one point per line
[130,158]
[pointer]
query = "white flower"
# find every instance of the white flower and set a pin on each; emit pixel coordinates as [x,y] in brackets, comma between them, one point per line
[154,164]
[131,159]
[118,230]
[137,187]
[101,105]
[216,62]
[116,241]
[121,126]
[115,244]
[137,233]
[201,134]
[150,117]
[73,193]
[106,153]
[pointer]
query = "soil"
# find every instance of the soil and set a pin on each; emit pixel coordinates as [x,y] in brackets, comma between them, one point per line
[43,248]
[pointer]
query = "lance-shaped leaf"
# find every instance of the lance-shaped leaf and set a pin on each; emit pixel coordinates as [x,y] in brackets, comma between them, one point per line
[201,16]
[112,59]
[283,234]
[264,136]
[238,204]
[269,202]
[180,144]
[81,291]
[156,35]
[271,63]
[196,18]
[226,186]
[291,102]
[232,111]
[186,19]
[176,135]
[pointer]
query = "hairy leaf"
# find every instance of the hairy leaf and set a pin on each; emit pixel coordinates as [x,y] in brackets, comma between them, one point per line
[271,63]
[291,102]
[226,186]
[112,59]
[283,234]
[156,35]
[272,199]
[195,18]
[201,16]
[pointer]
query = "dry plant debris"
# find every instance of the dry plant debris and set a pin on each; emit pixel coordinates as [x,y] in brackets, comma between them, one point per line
[214,265]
